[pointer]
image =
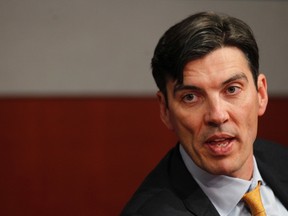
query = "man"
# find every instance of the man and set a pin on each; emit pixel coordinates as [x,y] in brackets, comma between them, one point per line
[211,94]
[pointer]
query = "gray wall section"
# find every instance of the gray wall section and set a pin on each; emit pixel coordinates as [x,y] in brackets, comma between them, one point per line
[104,47]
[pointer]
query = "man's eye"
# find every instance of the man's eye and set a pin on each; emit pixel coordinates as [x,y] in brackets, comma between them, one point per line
[189,98]
[233,90]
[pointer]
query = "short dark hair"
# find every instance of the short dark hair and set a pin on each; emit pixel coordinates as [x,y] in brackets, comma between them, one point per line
[197,36]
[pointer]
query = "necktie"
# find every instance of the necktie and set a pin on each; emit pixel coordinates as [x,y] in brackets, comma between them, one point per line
[253,200]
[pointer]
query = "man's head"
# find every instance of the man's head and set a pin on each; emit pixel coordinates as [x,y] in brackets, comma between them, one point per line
[197,36]
[211,93]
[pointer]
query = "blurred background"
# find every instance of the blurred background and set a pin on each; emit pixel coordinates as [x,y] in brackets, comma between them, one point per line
[79,120]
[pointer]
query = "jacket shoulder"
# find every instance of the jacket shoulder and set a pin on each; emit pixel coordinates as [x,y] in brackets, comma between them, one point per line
[271,159]
[156,195]
[270,152]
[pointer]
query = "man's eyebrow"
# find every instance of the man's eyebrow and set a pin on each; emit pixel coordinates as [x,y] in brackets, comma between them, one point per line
[238,76]
[180,87]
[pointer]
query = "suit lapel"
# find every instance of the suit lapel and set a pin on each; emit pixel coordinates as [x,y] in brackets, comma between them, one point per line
[199,204]
[271,163]
[187,189]
[275,181]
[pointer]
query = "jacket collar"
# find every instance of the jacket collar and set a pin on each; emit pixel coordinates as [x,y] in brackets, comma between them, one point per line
[187,189]
[273,170]
[272,163]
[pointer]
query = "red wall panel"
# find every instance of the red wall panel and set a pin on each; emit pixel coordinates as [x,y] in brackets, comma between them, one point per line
[86,156]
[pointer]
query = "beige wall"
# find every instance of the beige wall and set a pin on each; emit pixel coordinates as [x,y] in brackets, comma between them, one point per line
[103,47]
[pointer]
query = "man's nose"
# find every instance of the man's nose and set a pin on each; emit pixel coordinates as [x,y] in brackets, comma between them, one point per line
[216,113]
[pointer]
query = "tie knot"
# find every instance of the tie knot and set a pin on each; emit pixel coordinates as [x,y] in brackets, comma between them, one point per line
[253,200]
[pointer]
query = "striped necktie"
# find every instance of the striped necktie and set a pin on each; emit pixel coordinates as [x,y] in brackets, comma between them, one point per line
[253,201]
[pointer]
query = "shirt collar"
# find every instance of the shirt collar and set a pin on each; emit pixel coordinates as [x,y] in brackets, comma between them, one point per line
[223,191]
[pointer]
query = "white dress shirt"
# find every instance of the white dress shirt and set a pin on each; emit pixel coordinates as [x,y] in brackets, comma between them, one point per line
[226,192]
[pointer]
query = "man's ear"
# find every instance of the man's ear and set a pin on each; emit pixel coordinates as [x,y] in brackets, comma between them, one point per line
[164,110]
[262,94]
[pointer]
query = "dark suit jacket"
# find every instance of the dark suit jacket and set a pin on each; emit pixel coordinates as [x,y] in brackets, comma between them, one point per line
[171,190]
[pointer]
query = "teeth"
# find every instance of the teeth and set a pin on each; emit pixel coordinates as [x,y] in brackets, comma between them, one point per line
[222,144]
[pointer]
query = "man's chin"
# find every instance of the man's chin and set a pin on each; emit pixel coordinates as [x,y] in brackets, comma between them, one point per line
[224,168]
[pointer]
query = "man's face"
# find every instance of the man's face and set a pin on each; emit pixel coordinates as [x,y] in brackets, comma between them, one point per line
[214,112]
